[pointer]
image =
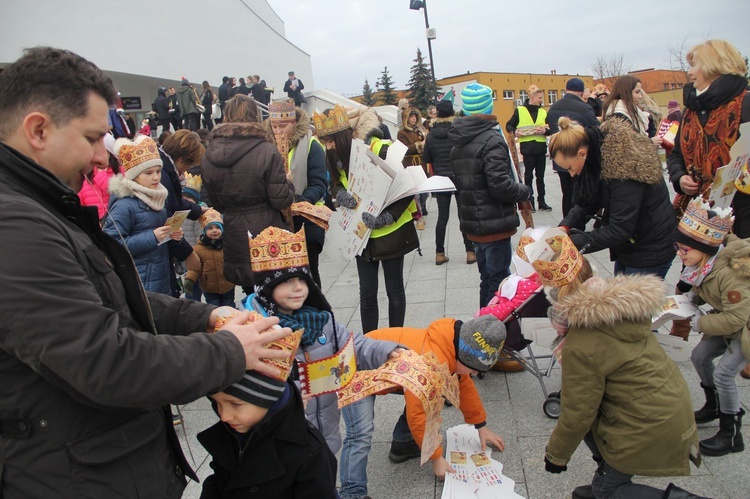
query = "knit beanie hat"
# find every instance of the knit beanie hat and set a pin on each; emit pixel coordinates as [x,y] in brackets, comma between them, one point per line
[480,341]
[137,156]
[704,228]
[673,104]
[257,389]
[277,255]
[476,99]
[445,109]
[282,111]
[575,85]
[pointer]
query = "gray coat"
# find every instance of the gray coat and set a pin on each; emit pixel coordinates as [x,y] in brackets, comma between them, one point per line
[86,378]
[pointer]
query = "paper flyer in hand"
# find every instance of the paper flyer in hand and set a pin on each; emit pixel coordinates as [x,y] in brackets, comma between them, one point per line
[675,347]
[674,307]
[174,222]
[329,374]
[543,248]
[734,175]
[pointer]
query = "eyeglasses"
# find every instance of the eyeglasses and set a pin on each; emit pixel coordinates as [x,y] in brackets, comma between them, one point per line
[682,250]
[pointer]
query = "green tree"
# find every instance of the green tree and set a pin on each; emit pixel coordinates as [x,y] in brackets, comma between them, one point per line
[367,98]
[385,84]
[421,88]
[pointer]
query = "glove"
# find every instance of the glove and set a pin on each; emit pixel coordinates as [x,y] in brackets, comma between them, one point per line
[373,222]
[188,288]
[343,198]
[694,323]
[579,239]
[551,467]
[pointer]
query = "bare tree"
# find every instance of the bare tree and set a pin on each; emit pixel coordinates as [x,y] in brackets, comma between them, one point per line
[608,69]
[678,61]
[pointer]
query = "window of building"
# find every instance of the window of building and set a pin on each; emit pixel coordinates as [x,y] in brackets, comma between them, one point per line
[494,95]
[665,86]
[552,94]
[508,94]
[674,86]
[522,95]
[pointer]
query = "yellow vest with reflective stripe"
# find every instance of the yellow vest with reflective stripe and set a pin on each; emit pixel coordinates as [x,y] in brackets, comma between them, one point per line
[524,119]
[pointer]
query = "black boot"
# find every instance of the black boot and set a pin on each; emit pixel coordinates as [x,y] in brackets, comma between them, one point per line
[674,492]
[729,438]
[710,409]
[544,206]
[531,200]
[584,492]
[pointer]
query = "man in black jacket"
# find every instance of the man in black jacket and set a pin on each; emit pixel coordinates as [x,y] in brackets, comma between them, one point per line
[223,96]
[293,88]
[89,361]
[161,108]
[572,106]
[489,192]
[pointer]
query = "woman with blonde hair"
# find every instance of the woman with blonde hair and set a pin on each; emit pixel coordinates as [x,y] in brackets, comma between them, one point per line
[246,180]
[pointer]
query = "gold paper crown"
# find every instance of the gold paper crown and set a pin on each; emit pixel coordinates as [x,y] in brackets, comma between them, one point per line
[331,121]
[193,182]
[564,266]
[278,249]
[601,88]
[282,110]
[705,225]
[141,154]
[210,216]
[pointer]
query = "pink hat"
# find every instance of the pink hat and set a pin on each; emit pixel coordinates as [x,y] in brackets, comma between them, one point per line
[673,104]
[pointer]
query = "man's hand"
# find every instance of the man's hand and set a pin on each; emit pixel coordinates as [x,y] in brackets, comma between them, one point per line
[253,341]
[440,467]
[489,437]
[688,185]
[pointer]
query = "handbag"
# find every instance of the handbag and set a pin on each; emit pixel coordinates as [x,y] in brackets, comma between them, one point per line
[200,107]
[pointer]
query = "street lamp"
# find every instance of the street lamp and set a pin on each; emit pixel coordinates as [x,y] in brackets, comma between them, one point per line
[430,32]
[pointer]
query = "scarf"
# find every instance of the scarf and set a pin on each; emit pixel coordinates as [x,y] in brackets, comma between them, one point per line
[154,198]
[706,148]
[311,320]
[640,122]
[298,164]
[694,275]
[214,244]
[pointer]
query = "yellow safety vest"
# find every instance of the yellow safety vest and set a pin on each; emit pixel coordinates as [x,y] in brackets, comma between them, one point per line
[524,119]
[406,217]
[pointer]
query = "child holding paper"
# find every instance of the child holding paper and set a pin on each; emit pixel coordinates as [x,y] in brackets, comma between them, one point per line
[208,268]
[720,276]
[136,213]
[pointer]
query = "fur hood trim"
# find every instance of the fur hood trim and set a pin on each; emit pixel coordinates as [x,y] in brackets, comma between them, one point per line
[362,121]
[601,303]
[239,131]
[627,154]
[737,255]
[301,127]
[448,119]
[405,120]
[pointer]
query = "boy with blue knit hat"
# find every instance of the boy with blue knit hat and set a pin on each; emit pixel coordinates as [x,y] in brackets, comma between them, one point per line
[209,266]
[488,188]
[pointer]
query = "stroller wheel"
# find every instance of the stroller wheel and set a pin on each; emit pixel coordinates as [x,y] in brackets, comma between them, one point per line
[555,395]
[551,407]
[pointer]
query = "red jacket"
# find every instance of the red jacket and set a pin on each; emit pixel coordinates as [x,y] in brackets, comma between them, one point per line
[96,193]
[438,338]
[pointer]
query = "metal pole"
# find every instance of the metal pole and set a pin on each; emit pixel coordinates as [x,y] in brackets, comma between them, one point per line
[429,49]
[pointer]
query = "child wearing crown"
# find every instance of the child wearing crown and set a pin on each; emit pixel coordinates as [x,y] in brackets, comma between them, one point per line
[284,287]
[208,270]
[263,446]
[621,394]
[717,265]
[136,212]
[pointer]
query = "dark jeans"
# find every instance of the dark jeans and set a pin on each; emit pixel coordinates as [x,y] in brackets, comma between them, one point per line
[197,293]
[657,270]
[566,186]
[608,483]
[191,122]
[165,125]
[393,271]
[207,121]
[534,163]
[493,260]
[444,209]
[220,299]
[422,199]
[176,122]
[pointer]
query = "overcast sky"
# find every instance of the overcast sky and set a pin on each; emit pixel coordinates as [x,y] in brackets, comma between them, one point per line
[350,40]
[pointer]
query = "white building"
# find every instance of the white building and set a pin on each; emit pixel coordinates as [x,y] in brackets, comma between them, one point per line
[144,44]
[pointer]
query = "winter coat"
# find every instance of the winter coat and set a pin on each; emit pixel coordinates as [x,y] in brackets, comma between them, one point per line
[727,289]
[245,179]
[132,223]
[207,100]
[488,190]
[638,218]
[210,271]
[413,137]
[574,108]
[323,411]
[259,92]
[170,179]
[296,94]
[531,147]
[437,147]
[187,98]
[161,105]
[86,384]
[96,193]
[619,383]
[438,338]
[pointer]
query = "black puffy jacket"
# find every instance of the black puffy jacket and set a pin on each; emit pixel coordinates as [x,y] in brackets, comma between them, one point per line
[481,164]
[437,147]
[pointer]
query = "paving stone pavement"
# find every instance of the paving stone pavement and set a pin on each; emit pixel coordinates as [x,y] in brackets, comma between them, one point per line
[513,401]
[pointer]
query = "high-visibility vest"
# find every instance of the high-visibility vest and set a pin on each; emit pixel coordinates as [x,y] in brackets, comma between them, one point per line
[524,119]
[309,146]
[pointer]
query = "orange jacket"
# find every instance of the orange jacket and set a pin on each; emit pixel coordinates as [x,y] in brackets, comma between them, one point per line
[437,338]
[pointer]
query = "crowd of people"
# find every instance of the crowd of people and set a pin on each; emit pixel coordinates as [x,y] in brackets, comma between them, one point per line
[115,227]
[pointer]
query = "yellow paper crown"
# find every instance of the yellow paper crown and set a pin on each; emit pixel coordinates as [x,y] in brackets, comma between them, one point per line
[330,122]
[705,225]
[210,216]
[193,182]
[137,156]
[564,266]
[278,249]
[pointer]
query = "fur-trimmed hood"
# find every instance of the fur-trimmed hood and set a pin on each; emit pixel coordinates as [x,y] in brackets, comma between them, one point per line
[362,121]
[628,155]
[405,120]
[602,303]
[301,127]
[736,255]
[224,149]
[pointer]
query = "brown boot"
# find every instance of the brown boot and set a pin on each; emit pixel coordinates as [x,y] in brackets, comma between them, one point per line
[681,328]
[745,373]
[471,257]
[440,258]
